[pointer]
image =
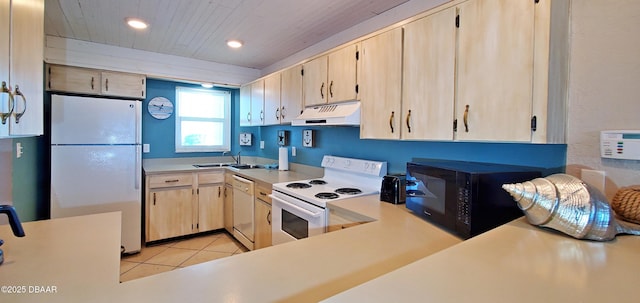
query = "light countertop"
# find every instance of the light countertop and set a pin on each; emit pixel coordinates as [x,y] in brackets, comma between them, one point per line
[396,258]
[514,263]
[303,271]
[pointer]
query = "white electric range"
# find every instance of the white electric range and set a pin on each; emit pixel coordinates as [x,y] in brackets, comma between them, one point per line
[299,208]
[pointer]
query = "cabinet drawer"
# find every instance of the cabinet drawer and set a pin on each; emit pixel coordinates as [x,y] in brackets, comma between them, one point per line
[263,191]
[211,177]
[175,180]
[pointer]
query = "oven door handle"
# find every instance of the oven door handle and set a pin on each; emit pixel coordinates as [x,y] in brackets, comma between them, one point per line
[307,212]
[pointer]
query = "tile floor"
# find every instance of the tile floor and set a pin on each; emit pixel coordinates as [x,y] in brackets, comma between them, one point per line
[176,254]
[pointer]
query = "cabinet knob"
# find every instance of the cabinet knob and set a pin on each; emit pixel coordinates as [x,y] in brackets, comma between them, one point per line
[465,118]
[18,115]
[409,121]
[391,120]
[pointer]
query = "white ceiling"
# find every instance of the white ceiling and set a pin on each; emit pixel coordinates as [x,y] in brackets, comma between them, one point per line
[271,29]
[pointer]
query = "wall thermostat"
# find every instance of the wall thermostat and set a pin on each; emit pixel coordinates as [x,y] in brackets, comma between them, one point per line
[307,138]
[620,144]
[283,137]
[245,139]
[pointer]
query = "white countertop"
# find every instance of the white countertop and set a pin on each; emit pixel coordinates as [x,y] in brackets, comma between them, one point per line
[514,263]
[397,258]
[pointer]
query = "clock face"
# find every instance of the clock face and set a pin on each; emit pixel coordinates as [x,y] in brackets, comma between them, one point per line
[160,108]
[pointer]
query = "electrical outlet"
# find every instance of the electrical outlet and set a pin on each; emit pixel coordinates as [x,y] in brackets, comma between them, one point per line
[146,148]
[261,144]
[293,151]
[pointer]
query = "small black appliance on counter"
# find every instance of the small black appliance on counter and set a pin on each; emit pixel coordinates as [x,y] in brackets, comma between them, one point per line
[465,198]
[393,189]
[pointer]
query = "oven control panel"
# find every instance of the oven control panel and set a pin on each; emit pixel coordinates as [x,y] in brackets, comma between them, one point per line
[368,167]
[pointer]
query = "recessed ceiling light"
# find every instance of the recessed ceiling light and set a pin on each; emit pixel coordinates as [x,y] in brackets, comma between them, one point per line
[136,23]
[207,85]
[234,43]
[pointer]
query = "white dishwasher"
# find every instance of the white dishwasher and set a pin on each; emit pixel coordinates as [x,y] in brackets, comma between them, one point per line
[243,208]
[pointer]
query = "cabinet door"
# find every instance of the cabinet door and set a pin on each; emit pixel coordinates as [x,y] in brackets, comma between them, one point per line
[381,86]
[228,208]
[291,94]
[495,70]
[5,103]
[341,74]
[314,81]
[257,102]
[272,99]
[263,224]
[73,79]
[428,77]
[170,213]
[210,207]
[124,85]
[26,44]
[245,105]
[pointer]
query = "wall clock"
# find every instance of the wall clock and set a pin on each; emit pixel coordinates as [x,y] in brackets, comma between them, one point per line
[160,108]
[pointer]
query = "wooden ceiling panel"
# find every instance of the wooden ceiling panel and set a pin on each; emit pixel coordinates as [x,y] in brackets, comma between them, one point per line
[271,29]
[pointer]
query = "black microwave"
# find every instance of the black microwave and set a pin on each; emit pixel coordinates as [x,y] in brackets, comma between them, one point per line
[465,198]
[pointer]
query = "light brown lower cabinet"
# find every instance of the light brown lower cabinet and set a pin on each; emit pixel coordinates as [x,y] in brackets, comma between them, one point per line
[183,204]
[170,213]
[262,215]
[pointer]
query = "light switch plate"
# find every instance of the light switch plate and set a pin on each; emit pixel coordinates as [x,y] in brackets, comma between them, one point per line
[307,138]
[283,137]
[245,139]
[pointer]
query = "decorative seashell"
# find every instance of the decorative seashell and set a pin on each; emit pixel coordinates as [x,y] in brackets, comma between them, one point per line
[566,204]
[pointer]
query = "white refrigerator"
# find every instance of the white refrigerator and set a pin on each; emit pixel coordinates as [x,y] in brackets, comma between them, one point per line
[96,161]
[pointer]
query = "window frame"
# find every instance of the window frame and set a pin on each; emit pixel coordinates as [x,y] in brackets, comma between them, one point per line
[226,120]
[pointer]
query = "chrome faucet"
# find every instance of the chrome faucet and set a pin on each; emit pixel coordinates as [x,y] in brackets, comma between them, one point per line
[237,158]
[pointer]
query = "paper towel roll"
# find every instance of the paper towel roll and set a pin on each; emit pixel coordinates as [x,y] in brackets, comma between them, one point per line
[283,158]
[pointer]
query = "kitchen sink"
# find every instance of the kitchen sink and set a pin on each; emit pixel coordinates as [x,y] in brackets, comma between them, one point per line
[232,165]
[245,166]
[208,165]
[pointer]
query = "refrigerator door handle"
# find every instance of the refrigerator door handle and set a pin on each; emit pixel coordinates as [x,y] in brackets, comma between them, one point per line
[138,167]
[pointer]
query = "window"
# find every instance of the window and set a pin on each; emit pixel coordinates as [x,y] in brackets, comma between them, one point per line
[203,120]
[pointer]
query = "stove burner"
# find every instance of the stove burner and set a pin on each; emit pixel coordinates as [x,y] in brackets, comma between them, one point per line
[318,182]
[297,185]
[348,191]
[325,195]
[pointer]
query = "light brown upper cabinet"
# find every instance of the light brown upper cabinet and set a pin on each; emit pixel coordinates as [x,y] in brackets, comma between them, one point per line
[257,102]
[291,94]
[80,80]
[331,78]
[245,105]
[381,86]
[123,85]
[21,56]
[408,84]
[429,77]
[495,70]
[272,97]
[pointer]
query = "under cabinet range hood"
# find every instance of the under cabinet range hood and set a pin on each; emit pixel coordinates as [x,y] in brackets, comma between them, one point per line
[346,114]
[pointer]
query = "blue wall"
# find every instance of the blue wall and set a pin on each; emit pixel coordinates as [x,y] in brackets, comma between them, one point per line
[345,141]
[160,134]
